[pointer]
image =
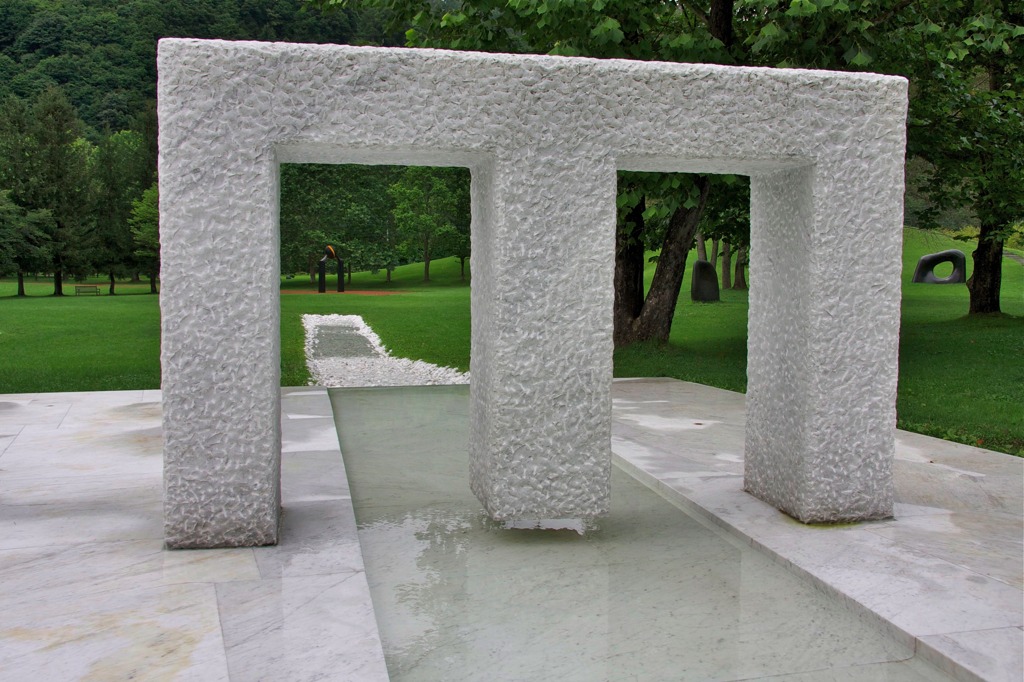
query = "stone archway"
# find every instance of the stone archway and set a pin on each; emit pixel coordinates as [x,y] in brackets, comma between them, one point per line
[543,138]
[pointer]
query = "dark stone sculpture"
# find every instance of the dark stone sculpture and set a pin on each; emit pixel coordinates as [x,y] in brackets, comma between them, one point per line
[330,254]
[704,283]
[925,272]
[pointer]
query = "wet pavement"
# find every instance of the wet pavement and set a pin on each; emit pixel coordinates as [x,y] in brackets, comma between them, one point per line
[90,593]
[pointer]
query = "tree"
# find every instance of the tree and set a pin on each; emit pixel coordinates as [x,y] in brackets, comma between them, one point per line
[23,240]
[308,208]
[427,203]
[343,205]
[46,167]
[655,212]
[966,121]
[120,171]
[44,35]
[16,149]
[454,239]
[15,16]
[726,219]
[945,46]
[63,184]
[145,227]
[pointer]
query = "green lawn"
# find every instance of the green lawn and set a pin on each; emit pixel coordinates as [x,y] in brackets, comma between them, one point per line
[960,378]
[423,321]
[78,343]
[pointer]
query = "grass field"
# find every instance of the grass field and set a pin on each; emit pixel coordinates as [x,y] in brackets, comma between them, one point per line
[78,343]
[960,378]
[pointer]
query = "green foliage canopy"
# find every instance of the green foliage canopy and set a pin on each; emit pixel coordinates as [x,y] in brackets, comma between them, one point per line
[431,206]
[24,245]
[376,217]
[46,167]
[963,58]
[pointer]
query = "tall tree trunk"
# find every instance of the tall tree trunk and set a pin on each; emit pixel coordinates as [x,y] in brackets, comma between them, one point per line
[21,283]
[388,278]
[986,280]
[740,280]
[726,265]
[629,275]
[720,21]
[702,247]
[348,266]
[462,268]
[136,277]
[654,321]
[714,253]
[58,282]
[111,290]
[152,283]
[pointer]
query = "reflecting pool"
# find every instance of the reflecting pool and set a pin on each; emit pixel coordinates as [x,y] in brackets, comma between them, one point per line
[651,594]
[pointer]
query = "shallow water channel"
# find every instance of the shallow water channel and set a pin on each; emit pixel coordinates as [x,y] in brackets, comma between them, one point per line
[652,594]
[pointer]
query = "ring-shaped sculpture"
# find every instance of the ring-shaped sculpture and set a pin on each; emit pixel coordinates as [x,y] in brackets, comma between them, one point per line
[924,273]
[543,138]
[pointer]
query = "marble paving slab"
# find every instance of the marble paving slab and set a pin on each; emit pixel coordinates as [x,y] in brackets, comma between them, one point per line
[7,436]
[944,575]
[89,593]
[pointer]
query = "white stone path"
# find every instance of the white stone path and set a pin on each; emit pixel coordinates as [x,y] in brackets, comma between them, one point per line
[341,360]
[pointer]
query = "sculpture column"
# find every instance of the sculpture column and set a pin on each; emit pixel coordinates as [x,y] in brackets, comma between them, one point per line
[823,337]
[540,446]
[220,344]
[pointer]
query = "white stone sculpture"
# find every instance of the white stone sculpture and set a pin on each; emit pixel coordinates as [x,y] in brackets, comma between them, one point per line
[543,138]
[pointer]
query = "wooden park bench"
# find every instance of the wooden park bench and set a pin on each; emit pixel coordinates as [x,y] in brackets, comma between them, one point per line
[87,288]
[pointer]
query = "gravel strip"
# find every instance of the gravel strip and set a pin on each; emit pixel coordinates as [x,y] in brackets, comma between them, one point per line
[342,351]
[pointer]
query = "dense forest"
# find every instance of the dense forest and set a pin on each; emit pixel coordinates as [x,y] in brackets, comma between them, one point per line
[102,53]
[966,114]
[78,125]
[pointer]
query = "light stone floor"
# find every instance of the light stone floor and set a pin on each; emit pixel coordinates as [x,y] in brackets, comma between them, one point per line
[88,593]
[945,576]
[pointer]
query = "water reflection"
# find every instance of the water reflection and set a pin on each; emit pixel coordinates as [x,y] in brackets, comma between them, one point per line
[651,595]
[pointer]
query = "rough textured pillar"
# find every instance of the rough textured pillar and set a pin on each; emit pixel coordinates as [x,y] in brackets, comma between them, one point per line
[542,338]
[542,138]
[220,344]
[822,338]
